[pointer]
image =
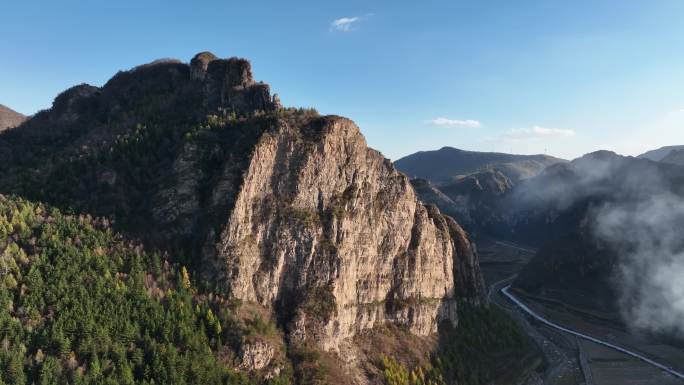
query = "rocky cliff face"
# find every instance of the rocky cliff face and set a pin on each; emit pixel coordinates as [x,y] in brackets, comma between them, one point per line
[275,207]
[325,227]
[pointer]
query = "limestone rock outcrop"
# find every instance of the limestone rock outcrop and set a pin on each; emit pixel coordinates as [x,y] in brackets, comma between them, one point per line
[229,82]
[199,65]
[256,355]
[326,228]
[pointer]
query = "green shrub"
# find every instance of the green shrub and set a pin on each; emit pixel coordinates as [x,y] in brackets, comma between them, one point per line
[258,325]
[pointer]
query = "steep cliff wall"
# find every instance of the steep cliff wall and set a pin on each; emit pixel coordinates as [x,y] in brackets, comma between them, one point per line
[326,229]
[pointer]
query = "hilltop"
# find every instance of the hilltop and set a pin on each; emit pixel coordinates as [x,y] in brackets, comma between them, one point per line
[9,118]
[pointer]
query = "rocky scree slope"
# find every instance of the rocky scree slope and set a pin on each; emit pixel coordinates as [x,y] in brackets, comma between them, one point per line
[271,206]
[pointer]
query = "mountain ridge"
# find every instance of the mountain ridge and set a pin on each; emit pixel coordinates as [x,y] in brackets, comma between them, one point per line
[454,163]
[660,153]
[475,182]
[9,118]
[676,156]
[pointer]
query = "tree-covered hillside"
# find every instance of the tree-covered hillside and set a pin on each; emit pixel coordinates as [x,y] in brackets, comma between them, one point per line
[80,306]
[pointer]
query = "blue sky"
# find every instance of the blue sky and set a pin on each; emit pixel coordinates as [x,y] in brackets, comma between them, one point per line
[565,77]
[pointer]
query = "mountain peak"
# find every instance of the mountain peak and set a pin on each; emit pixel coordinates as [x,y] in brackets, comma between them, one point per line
[449,148]
[167,87]
[602,154]
[200,63]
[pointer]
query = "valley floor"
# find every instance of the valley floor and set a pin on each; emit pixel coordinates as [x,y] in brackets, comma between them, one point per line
[571,361]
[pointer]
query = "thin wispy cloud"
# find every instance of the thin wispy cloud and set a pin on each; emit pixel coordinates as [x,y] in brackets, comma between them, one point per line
[347,24]
[446,122]
[538,132]
[344,24]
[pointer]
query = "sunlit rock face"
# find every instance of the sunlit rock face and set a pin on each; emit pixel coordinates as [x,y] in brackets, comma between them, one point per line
[326,229]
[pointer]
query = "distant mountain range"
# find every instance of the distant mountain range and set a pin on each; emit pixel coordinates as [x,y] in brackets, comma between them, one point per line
[9,118]
[607,226]
[675,157]
[661,153]
[469,185]
[448,164]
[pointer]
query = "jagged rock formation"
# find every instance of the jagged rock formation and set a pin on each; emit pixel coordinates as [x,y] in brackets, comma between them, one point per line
[229,82]
[200,64]
[256,355]
[273,206]
[9,118]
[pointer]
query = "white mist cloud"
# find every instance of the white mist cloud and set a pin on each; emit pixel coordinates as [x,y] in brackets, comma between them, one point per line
[647,236]
[446,122]
[640,219]
[344,24]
